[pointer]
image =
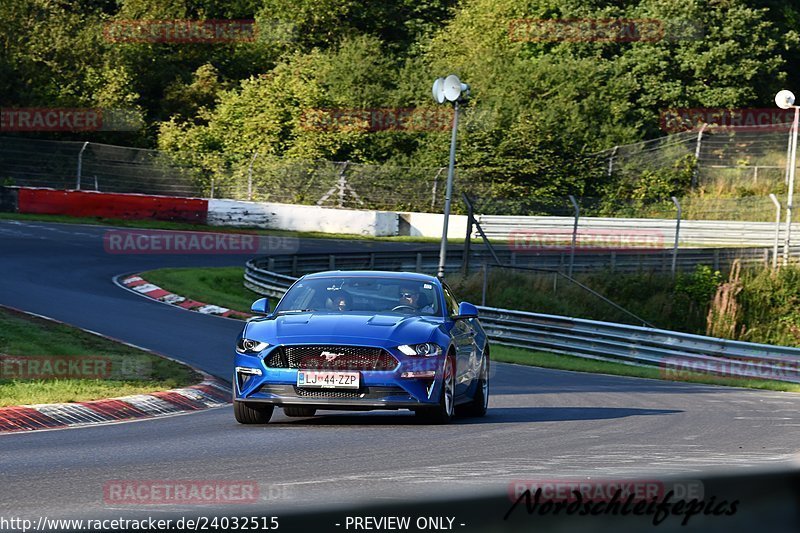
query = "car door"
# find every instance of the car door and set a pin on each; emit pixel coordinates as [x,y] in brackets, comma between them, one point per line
[463,338]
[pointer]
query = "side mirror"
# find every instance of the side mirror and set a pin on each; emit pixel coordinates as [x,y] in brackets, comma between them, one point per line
[260,306]
[466,310]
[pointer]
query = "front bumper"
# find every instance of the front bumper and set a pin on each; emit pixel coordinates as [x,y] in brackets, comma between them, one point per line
[379,389]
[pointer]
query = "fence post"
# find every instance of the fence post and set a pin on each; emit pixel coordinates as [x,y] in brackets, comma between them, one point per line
[788,156]
[677,235]
[611,161]
[80,165]
[435,188]
[696,172]
[342,184]
[468,239]
[777,229]
[790,197]
[577,209]
[250,176]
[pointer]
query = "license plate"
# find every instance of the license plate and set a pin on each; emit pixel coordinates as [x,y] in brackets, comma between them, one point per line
[328,380]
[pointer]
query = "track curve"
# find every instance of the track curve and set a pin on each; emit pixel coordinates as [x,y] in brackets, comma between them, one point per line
[542,423]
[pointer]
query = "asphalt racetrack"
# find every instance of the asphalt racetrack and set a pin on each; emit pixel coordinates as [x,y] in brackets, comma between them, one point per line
[541,423]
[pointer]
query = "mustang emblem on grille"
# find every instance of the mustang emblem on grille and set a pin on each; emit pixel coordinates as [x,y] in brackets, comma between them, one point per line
[330,356]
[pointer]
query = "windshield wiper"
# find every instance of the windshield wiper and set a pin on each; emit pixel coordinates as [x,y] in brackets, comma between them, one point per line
[293,311]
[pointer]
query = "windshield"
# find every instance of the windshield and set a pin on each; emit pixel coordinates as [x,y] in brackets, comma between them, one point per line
[360,294]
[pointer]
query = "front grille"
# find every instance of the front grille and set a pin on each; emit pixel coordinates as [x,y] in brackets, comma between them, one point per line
[338,394]
[327,357]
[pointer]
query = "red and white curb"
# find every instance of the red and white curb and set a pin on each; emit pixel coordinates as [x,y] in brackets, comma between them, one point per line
[209,393]
[212,392]
[139,285]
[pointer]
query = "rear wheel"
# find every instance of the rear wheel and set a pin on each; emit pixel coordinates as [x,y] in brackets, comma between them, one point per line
[252,413]
[299,411]
[442,413]
[480,403]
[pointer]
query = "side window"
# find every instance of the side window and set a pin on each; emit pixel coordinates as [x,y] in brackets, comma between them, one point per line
[450,300]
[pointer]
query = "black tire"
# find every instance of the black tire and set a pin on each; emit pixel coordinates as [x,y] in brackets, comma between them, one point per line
[300,411]
[480,403]
[444,412]
[252,413]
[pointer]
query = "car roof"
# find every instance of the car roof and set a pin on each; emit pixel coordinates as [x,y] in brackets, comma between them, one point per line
[373,274]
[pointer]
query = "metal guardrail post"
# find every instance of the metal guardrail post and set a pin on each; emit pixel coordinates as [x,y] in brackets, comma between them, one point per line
[777,229]
[677,236]
[577,209]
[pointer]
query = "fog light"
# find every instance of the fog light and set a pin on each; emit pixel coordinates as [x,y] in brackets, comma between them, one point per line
[248,371]
[425,374]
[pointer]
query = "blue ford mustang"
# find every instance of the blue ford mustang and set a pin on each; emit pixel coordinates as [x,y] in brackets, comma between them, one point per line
[362,341]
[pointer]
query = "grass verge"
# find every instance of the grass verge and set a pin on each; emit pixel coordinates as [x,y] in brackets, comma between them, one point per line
[47,362]
[509,354]
[223,286]
[219,286]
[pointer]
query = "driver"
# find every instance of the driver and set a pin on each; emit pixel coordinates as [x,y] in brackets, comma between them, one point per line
[410,296]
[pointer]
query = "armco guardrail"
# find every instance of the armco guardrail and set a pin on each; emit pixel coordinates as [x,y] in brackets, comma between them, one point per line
[693,232]
[584,338]
[627,261]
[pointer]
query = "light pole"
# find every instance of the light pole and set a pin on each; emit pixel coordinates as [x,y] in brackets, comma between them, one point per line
[452,90]
[785,100]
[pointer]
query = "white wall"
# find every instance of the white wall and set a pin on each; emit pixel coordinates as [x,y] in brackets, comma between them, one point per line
[302,218]
[430,225]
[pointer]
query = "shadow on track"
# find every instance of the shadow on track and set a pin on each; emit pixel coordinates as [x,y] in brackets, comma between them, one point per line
[495,415]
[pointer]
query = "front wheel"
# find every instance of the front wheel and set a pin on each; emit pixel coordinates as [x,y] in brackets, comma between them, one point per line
[442,413]
[252,413]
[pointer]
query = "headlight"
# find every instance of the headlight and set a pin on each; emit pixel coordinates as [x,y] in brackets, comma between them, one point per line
[426,349]
[250,347]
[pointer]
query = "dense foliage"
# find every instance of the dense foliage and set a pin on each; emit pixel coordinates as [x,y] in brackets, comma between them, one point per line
[537,108]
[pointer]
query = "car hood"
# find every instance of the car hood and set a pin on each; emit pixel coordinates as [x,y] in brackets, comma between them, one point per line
[344,328]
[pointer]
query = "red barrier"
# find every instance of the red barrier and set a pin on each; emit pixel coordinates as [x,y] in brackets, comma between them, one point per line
[112,205]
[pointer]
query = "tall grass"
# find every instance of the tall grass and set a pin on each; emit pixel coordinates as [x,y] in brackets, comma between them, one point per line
[751,304]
